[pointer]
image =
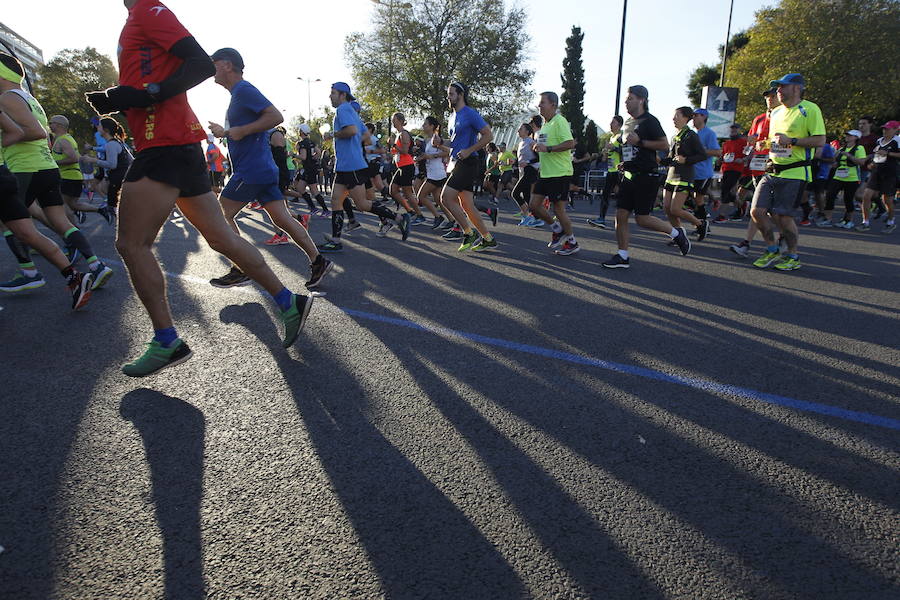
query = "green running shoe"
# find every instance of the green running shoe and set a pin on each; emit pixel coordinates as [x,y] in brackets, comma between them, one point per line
[766,259]
[22,282]
[788,264]
[485,245]
[156,358]
[469,240]
[294,318]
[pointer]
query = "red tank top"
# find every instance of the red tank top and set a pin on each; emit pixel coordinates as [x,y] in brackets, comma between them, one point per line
[403,159]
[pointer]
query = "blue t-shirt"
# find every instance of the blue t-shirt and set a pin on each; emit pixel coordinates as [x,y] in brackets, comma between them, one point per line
[825,168]
[251,158]
[704,168]
[348,152]
[464,127]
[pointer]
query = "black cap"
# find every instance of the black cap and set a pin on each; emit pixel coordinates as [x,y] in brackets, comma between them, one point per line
[231,55]
[769,92]
[639,91]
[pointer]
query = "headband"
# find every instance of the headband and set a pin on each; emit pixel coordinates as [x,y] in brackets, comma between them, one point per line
[10,75]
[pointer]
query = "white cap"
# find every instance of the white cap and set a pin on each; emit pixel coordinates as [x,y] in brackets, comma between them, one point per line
[855,132]
[305,128]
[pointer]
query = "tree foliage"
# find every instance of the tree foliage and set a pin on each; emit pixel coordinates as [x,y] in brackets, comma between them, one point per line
[843,48]
[572,100]
[415,51]
[701,77]
[61,83]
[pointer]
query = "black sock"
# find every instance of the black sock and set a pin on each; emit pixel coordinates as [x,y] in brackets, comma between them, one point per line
[384,212]
[321,201]
[700,211]
[19,250]
[337,224]
[348,208]
[308,198]
[807,209]
[75,238]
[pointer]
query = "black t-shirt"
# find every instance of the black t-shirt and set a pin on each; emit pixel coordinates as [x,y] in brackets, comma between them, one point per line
[647,127]
[889,166]
[306,144]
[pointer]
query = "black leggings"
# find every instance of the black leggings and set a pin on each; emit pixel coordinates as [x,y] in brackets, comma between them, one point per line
[522,192]
[613,178]
[729,185]
[849,189]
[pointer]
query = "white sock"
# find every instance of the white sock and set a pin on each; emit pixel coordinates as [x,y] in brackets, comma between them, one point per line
[623,254]
[674,233]
[30,272]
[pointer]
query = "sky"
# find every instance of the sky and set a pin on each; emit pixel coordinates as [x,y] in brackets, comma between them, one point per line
[282,40]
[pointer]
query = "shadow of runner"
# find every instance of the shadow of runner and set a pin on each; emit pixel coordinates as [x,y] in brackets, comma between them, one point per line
[173,435]
[418,541]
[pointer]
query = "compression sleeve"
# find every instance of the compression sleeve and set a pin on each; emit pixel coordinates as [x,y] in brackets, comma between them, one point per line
[196,68]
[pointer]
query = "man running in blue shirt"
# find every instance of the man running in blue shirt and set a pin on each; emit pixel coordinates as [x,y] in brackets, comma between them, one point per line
[250,115]
[703,171]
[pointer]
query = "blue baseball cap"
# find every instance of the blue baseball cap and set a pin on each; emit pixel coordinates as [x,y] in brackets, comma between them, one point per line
[701,111]
[343,87]
[789,79]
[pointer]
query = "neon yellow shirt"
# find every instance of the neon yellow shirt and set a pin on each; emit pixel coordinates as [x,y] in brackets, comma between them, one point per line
[71,171]
[505,157]
[846,170]
[33,156]
[800,121]
[554,132]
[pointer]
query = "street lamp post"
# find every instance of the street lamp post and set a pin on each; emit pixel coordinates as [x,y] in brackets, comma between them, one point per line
[309,82]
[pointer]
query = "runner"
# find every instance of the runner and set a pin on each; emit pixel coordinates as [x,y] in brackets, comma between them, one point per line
[22,234]
[351,171]
[529,163]
[703,171]
[685,153]
[823,165]
[612,154]
[32,164]
[214,161]
[435,168]
[257,176]
[402,181]
[734,162]
[554,148]
[643,137]
[851,156]
[65,152]
[307,179]
[469,133]
[883,178]
[492,171]
[795,130]
[159,60]
[117,160]
[507,160]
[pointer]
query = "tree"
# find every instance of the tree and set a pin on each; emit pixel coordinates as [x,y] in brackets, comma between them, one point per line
[572,99]
[701,77]
[61,83]
[414,53]
[839,48]
[591,141]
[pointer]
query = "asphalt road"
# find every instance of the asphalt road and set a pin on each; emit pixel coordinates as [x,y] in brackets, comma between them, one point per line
[504,425]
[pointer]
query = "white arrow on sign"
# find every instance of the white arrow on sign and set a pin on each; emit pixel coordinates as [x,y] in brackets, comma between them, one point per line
[722,98]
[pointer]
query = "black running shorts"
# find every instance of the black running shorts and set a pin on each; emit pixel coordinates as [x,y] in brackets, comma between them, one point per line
[11,208]
[882,181]
[556,189]
[351,179]
[71,188]
[701,186]
[463,176]
[42,186]
[638,194]
[181,167]
[403,176]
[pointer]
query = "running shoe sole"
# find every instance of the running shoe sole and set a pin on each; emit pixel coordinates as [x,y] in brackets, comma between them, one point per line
[171,363]
[218,283]
[31,285]
[84,292]
[102,277]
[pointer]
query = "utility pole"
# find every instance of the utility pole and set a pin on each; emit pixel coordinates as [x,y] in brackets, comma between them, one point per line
[621,54]
[725,52]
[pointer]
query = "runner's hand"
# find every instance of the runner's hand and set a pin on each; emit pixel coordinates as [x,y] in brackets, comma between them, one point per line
[101,103]
[216,129]
[124,97]
[632,139]
[782,139]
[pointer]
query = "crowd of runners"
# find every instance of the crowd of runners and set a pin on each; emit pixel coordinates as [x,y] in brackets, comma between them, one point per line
[781,166]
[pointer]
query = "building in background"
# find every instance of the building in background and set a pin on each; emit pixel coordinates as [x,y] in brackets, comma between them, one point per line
[29,54]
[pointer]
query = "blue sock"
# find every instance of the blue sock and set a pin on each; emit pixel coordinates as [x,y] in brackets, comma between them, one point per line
[166,337]
[283,298]
[794,256]
[772,248]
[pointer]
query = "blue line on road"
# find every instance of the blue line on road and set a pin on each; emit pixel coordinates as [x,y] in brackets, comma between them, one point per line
[700,384]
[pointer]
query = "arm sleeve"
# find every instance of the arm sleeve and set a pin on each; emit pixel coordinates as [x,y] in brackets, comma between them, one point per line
[196,68]
[113,148]
[695,150]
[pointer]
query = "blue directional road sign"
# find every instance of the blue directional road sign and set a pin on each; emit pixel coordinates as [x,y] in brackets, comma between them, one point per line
[720,99]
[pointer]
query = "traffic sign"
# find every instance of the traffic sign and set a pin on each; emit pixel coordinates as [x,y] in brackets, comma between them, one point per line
[722,99]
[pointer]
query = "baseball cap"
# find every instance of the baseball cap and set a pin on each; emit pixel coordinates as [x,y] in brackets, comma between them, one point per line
[789,79]
[305,128]
[891,125]
[229,54]
[701,111]
[639,91]
[769,92]
[855,132]
[343,87]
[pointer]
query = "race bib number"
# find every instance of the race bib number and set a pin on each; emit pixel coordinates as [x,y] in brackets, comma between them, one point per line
[628,153]
[542,138]
[758,163]
[842,173]
[748,149]
[780,151]
[879,158]
[729,157]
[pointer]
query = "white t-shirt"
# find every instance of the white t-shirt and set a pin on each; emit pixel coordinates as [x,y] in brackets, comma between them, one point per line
[434,167]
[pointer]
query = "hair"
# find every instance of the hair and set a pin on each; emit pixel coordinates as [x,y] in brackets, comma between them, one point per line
[400,116]
[868,118]
[537,121]
[370,127]
[434,123]
[618,119]
[462,89]
[12,63]
[552,97]
[112,127]
[686,111]
[492,147]
[528,128]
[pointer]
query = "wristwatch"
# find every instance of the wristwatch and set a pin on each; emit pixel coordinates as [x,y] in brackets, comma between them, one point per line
[793,141]
[154,90]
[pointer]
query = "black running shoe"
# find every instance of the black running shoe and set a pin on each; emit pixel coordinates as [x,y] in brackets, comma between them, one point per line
[683,242]
[232,278]
[703,230]
[319,269]
[616,262]
[404,226]
[493,213]
[80,285]
[437,222]
[103,211]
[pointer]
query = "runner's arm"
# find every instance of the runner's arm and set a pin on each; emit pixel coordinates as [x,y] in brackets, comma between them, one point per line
[268,118]
[70,152]
[486,136]
[12,133]
[15,107]
[347,131]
